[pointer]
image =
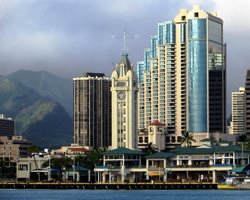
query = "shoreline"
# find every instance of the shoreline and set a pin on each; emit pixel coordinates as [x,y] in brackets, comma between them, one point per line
[108,186]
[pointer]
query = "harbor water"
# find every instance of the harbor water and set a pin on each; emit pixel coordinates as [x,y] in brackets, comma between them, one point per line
[14,194]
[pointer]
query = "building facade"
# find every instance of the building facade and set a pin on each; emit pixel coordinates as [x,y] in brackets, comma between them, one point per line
[184,164]
[92,110]
[7,126]
[155,135]
[247,104]
[182,80]
[238,111]
[124,105]
[13,147]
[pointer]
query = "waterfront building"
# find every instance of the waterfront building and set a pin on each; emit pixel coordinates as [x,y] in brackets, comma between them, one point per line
[154,134]
[121,165]
[247,104]
[92,110]
[238,112]
[7,126]
[182,79]
[124,105]
[70,151]
[13,147]
[184,164]
[202,164]
[31,168]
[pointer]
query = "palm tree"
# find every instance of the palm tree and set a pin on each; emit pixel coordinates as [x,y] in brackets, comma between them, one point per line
[149,149]
[187,138]
[213,141]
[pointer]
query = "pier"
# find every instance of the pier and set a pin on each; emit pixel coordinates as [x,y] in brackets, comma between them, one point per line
[108,186]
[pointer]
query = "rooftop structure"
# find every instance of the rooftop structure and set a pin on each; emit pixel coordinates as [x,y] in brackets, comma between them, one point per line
[7,126]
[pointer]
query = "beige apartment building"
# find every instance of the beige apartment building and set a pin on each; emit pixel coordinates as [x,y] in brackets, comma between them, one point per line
[182,79]
[238,111]
[247,104]
[13,147]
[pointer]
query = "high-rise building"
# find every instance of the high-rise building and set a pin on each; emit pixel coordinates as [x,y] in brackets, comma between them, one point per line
[124,105]
[92,110]
[182,80]
[7,126]
[238,111]
[247,104]
[13,147]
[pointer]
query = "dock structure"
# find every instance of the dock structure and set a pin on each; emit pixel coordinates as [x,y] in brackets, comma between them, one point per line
[108,186]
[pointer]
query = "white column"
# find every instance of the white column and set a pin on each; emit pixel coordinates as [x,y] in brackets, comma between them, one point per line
[164,163]
[104,177]
[122,174]
[147,176]
[233,159]
[177,161]
[214,176]
[165,177]
[89,175]
[110,176]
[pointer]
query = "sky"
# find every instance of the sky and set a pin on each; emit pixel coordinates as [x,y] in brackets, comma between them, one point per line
[71,37]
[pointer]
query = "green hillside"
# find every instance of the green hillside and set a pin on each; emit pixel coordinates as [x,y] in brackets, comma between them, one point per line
[48,85]
[40,119]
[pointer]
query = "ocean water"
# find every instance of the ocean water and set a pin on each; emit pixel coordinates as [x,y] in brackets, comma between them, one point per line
[124,194]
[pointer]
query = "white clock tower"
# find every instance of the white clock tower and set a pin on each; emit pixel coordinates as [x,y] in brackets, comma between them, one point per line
[124,105]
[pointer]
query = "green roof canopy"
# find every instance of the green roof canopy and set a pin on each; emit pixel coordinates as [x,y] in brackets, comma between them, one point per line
[123,151]
[78,169]
[241,169]
[208,150]
[160,155]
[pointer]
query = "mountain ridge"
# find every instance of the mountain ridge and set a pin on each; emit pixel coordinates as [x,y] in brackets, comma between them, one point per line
[47,85]
[40,119]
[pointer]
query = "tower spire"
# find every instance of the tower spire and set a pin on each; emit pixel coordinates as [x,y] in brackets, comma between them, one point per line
[125,36]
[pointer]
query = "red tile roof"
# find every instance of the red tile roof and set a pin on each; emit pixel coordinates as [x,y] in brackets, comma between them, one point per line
[81,149]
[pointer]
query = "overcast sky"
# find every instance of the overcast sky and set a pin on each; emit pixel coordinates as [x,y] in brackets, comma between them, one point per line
[70,37]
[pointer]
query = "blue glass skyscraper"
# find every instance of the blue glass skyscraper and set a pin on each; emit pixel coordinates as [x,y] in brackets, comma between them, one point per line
[183,76]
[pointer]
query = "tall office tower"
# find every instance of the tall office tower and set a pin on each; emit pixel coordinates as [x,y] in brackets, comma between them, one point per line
[7,126]
[247,104]
[238,111]
[182,81]
[92,110]
[124,105]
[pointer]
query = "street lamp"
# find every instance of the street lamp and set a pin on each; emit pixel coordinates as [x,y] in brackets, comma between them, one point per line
[74,168]
[49,172]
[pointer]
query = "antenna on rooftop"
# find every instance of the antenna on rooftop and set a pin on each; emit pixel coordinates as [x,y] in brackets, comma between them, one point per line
[125,36]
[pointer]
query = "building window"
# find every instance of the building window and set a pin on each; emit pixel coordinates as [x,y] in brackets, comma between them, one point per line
[23,167]
[196,14]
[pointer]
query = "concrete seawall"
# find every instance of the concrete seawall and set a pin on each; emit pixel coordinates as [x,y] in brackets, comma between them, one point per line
[117,186]
[243,186]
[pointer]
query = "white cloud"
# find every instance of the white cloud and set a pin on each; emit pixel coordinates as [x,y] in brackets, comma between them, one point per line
[235,14]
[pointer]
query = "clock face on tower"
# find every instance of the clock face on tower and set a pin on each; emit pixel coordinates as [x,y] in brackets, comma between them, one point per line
[121,95]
